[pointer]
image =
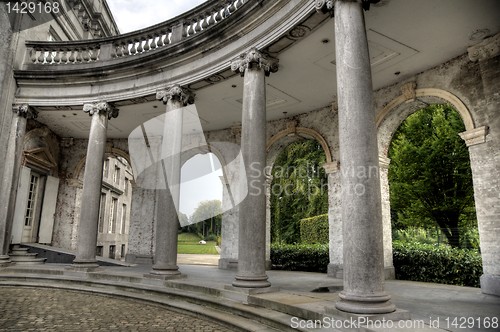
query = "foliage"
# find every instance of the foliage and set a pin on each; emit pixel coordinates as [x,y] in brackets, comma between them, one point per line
[469,238]
[430,176]
[314,230]
[299,189]
[439,264]
[300,257]
[206,219]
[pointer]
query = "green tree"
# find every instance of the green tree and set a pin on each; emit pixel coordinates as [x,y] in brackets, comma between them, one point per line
[207,218]
[430,176]
[299,189]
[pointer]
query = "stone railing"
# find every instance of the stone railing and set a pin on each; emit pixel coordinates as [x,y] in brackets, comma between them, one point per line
[134,43]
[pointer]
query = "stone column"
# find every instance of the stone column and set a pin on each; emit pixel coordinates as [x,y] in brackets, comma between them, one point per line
[269,183]
[361,209]
[389,272]
[335,267]
[254,66]
[100,112]
[484,150]
[12,165]
[167,220]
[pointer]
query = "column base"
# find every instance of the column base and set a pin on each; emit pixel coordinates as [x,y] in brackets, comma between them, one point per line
[5,260]
[490,284]
[228,264]
[84,265]
[165,270]
[251,281]
[372,304]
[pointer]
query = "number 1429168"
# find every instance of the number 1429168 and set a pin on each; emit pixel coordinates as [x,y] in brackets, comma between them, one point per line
[31,7]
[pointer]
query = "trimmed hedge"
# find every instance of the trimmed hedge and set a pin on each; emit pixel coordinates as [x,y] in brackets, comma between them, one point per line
[300,257]
[440,264]
[314,229]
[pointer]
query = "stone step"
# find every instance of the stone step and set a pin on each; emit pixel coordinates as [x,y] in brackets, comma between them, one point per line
[19,250]
[22,254]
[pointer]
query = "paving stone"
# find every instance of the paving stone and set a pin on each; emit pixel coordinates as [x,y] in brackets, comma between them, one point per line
[42,309]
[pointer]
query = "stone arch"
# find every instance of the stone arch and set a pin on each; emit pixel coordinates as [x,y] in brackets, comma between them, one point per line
[296,133]
[109,151]
[390,117]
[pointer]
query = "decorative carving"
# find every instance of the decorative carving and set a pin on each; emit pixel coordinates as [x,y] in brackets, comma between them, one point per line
[25,111]
[408,90]
[101,107]
[475,136]
[176,92]
[486,49]
[236,131]
[298,32]
[331,167]
[384,162]
[292,124]
[254,58]
[215,78]
[327,6]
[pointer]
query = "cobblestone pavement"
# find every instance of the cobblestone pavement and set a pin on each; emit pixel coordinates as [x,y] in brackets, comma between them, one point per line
[41,309]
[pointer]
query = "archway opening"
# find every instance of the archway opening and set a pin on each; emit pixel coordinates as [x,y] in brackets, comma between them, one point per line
[200,208]
[298,190]
[430,178]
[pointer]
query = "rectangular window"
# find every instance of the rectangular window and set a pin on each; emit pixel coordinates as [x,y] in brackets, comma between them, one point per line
[124,219]
[98,251]
[32,196]
[102,212]
[122,252]
[112,250]
[106,168]
[112,216]
[116,175]
[126,186]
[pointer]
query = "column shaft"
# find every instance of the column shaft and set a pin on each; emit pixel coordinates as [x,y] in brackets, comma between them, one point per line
[92,185]
[361,211]
[10,179]
[252,216]
[167,220]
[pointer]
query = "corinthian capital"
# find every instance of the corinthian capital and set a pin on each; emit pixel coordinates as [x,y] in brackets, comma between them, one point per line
[176,92]
[254,58]
[324,6]
[25,111]
[101,107]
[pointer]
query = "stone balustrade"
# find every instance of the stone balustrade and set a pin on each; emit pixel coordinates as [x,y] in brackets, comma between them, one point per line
[134,43]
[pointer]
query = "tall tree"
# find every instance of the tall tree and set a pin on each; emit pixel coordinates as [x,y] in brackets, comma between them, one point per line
[207,218]
[299,189]
[430,176]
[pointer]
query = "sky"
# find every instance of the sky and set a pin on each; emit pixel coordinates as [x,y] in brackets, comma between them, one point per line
[131,15]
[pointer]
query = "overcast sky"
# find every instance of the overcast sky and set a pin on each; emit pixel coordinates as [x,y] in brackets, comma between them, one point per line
[131,15]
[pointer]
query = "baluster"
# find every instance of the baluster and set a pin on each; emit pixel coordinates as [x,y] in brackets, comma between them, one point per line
[160,42]
[57,57]
[190,29]
[94,54]
[79,55]
[72,57]
[133,49]
[33,56]
[154,42]
[218,16]
[41,58]
[168,38]
[204,23]
[231,8]
[49,58]
[140,49]
[85,55]
[147,47]
[197,27]
[64,57]
[210,19]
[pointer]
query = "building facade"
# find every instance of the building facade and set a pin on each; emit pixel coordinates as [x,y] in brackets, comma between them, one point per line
[346,73]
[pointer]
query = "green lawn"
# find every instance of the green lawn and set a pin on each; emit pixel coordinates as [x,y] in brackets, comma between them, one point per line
[188,244]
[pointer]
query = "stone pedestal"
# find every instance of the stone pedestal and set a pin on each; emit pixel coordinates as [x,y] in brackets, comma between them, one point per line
[361,203]
[167,220]
[254,66]
[12,166]
[92,185]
